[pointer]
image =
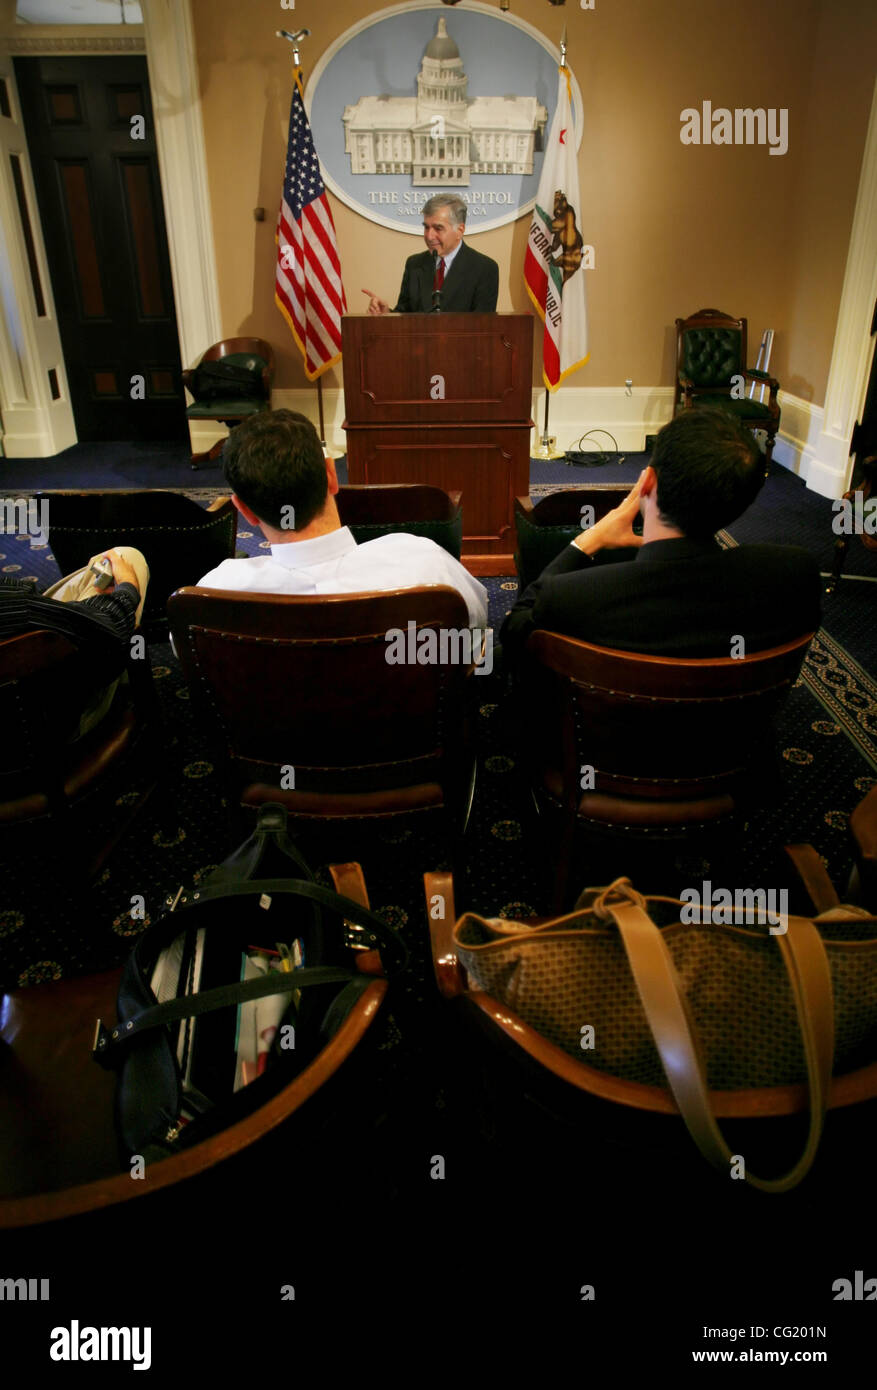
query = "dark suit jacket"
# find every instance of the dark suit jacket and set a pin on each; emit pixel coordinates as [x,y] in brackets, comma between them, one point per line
[676,598]
[471,285]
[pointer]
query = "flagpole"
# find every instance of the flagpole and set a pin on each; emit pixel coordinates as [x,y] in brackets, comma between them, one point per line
[320,408]
[296,58]
[548,443]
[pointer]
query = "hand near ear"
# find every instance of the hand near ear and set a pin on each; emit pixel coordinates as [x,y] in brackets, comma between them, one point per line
[615,529]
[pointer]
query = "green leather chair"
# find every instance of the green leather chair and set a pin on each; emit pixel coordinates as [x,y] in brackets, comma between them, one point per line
[251,354]
[376,509]
[710,353]
[543,528]
[180,539]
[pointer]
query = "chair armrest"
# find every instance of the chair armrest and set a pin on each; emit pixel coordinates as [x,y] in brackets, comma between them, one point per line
[217,503]
[771,381]
[449,974]
[863,828]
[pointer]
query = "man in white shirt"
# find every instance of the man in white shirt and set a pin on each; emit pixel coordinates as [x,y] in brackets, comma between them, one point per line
[283,485]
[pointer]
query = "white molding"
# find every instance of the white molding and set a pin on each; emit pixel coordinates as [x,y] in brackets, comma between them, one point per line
[797,444]
[829,463]
[179,130]
[43,427]
[34,426]
[573,410]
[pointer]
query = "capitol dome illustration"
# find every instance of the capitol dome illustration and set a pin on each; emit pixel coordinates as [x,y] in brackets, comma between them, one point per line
[442,136]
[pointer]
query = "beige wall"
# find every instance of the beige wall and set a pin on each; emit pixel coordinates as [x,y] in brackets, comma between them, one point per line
[674,227]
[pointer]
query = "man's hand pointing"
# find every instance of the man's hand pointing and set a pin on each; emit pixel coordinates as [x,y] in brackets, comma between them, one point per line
[376,305]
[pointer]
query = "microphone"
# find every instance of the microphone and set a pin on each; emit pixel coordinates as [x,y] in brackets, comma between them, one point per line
[436,294]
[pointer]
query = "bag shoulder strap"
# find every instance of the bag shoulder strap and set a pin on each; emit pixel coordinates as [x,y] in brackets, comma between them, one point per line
[108,1040]
[669,1017]
[395,949]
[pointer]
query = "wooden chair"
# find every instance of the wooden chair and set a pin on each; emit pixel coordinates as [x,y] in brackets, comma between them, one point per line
[59,1154]
[518,1061]
[179,539]
[647,746]
[310,712]
[863,829]
[865,487]
[544,527]
[710,353]
[49,783]
[232,409]
[376,509]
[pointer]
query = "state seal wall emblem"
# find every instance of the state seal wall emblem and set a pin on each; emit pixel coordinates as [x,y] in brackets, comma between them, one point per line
[415,101]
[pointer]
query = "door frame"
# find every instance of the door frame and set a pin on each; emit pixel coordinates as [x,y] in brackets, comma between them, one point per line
[35,425]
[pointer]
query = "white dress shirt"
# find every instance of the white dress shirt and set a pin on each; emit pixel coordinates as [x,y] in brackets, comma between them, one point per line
[335,564]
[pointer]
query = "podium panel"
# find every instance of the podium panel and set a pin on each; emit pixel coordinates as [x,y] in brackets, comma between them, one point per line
[444,399]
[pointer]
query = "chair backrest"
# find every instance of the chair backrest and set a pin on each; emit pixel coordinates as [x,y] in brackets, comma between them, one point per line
[377,509]
[544,527]
[179,539]
[710,348]
[46,683]
[247,346]
[314,684]
[654,727]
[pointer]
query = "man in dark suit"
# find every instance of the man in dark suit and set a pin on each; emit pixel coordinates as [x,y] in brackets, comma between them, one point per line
[681,594]
[449,276]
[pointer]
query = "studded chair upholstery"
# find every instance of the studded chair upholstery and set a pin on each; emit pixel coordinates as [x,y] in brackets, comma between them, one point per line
[711,370]
[544,527]
[300,695]
[179,539]
[670,741]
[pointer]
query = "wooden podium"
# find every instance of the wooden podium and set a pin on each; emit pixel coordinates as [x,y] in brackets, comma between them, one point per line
[445,399]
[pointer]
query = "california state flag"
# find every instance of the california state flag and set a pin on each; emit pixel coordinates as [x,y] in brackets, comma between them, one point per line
[553,265]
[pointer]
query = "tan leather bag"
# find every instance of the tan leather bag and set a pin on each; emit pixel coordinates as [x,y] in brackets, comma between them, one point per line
[715,1013]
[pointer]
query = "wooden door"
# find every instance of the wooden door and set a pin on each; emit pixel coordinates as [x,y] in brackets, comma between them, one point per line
[91,141]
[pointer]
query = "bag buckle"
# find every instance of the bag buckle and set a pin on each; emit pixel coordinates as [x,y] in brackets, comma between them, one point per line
[102,1048]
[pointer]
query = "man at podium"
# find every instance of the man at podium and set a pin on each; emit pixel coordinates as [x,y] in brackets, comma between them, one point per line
[449,277]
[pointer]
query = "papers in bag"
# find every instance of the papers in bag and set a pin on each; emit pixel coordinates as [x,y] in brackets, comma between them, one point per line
[259,1019]
[177,973]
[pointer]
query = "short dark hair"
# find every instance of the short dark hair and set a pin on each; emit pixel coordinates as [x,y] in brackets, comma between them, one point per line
[274,460]
[709,470]
[455,205]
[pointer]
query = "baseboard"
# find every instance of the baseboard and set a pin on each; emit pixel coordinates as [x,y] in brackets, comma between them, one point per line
[804,446]
[572,411]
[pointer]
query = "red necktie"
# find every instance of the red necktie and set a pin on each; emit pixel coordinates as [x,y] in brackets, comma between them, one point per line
[439,278]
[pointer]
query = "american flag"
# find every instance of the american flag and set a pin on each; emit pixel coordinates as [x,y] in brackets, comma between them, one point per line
[307,288]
